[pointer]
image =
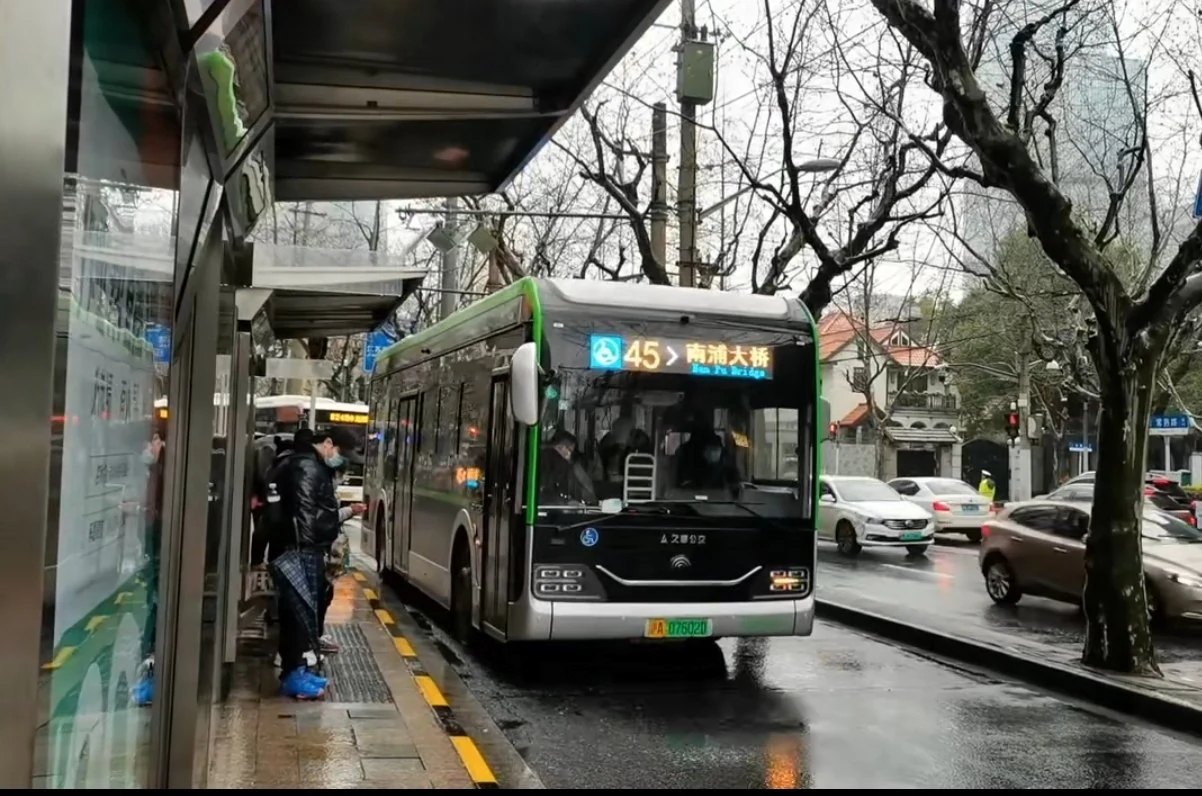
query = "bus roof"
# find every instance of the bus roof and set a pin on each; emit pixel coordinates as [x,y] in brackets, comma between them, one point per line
[276,401]
[303,402]
[564,294]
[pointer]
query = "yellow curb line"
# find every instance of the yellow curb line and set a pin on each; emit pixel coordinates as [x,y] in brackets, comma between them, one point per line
[469,754]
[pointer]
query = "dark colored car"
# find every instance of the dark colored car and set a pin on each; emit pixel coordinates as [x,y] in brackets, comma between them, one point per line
[1163,493]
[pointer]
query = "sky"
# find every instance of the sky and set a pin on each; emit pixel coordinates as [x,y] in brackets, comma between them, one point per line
[1160,33]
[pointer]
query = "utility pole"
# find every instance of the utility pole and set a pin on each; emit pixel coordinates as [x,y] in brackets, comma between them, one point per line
[494,272]
[659,183]
[450,264]
[1020,458]
[686,192]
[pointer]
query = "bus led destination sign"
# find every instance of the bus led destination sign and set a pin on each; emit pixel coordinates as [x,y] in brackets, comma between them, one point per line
[346,417]
[672,355]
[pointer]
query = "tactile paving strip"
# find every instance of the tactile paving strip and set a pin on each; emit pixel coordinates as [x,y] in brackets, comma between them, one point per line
[353,673]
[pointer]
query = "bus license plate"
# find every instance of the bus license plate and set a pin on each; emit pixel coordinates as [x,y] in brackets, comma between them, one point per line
[679,628]
[912,536]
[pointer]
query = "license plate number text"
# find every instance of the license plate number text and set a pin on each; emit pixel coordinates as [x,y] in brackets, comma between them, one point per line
[678,628]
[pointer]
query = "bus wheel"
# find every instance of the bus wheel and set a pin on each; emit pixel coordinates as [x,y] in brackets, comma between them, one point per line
[461,596]
[381,568]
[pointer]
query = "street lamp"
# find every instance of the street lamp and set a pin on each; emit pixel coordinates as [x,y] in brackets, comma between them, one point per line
[815,166]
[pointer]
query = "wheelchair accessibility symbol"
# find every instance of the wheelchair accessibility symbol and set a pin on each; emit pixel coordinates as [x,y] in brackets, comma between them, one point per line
[589,537]
[605,352]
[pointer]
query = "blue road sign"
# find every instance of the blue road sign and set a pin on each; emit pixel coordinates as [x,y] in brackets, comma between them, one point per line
[159,338]
[1162,423]
[377,341]
[1080,447]
[1198,199]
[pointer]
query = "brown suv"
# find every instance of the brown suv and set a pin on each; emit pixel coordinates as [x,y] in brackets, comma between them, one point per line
[1038,548]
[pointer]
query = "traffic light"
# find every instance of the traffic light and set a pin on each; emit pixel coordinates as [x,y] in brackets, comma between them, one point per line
[832,431]
[1013,424]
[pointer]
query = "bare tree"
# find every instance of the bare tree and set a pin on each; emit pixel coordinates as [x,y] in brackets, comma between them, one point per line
[1129,325]
[619,165]
[882,183]
[611,150]
[823,228]
[544,226]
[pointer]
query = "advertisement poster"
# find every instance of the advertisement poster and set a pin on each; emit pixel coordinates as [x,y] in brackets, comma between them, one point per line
[100,608]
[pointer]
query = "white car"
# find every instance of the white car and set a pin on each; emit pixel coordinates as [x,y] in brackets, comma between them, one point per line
[865,512]
[956,506]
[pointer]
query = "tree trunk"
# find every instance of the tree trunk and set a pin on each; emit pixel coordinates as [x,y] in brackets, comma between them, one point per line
[878,452]
[1117,633]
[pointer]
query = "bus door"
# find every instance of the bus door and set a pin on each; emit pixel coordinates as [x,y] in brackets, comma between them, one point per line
[376,529]
[401,496]
[498,507]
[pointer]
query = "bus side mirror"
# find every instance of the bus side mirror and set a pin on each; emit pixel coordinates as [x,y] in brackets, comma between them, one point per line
[523,378]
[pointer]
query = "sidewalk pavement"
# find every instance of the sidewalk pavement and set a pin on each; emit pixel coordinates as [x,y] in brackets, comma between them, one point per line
[1182,681]
[376,727]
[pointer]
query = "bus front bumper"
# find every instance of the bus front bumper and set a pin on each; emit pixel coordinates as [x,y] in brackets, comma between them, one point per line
[564,620]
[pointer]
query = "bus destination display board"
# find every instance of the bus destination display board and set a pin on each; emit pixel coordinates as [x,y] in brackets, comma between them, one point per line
[673,355]
[354,418]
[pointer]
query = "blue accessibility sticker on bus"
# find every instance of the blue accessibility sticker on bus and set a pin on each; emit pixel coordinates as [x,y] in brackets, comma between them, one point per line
[589,537]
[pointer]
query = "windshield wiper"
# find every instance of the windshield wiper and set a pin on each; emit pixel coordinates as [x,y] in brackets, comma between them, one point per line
[659,507]
[662,508]
[741,505]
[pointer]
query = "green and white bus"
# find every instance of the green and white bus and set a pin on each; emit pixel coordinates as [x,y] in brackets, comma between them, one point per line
[570,459]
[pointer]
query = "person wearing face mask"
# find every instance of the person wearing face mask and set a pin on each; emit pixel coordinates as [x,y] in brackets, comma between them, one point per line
[563,476]
[704,461]
[310,504]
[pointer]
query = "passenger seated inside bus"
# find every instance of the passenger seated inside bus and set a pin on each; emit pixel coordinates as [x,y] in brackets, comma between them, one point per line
[704,462]
[564,479]
[618,443]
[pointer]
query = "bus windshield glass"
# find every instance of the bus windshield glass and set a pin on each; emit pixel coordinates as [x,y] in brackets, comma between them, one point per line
[693,442]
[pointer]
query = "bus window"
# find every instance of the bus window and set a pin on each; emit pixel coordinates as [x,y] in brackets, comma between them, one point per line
[693,438]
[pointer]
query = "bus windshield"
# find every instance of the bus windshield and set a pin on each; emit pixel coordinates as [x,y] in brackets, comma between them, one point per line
[643,437]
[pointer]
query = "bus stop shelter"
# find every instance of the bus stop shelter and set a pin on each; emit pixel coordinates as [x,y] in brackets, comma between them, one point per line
[206,113]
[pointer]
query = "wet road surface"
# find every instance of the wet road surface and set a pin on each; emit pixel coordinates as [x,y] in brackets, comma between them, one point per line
[944,590]
[838,710]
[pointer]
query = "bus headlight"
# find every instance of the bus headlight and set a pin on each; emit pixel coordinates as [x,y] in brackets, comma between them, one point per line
[792,582]
[566,582]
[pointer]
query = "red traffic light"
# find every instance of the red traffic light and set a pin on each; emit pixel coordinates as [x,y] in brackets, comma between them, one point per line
[1012,420]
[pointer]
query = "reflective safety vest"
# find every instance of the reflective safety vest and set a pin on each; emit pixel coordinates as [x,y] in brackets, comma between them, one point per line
[987,488]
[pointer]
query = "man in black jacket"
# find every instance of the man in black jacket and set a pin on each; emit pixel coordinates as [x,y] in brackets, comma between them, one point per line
[306,487]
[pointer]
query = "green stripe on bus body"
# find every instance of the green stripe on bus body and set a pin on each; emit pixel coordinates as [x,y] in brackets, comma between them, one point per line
[523,287]
[536,312]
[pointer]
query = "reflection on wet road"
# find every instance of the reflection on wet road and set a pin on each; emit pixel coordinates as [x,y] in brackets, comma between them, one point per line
[837,710]
[944,590]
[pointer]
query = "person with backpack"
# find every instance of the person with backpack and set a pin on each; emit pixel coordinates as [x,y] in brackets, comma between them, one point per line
[269,454]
